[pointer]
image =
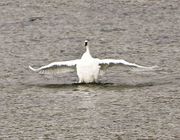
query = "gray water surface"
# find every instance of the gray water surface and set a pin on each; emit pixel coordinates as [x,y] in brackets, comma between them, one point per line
[125,105]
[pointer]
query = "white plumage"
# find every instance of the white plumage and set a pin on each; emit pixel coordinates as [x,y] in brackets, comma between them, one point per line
[87,68]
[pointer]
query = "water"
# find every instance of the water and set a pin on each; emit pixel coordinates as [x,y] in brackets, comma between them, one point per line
[125,105]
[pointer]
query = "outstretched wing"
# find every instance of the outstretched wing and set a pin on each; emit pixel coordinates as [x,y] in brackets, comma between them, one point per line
[57,67]
[105,63]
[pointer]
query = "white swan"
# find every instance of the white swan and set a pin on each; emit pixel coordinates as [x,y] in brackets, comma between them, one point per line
[87,68]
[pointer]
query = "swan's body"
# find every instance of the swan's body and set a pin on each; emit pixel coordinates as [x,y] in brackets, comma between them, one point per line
[87,68]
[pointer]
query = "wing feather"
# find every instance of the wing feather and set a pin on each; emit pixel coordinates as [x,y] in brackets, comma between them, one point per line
[105,63]
[57,67]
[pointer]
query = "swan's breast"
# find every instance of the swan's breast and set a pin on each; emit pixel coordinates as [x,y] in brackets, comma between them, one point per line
[88,70]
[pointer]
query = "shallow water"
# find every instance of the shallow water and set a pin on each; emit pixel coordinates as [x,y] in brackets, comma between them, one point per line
[125,105]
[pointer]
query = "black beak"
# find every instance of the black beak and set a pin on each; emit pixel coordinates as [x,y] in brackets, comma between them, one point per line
[85,43]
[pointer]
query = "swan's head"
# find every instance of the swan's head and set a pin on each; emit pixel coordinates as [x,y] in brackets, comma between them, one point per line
[85,43]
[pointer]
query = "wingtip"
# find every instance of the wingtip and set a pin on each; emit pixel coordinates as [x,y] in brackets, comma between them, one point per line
[31,68]
[153,67]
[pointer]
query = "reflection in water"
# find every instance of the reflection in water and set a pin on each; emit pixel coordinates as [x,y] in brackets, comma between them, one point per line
[95,86]
[50,84]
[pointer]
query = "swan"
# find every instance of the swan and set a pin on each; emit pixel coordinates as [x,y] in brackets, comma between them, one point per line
[88,68]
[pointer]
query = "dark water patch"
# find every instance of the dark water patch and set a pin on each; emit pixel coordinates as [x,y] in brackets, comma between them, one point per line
[18,24]
[32,19]
[113,30]
[5,4]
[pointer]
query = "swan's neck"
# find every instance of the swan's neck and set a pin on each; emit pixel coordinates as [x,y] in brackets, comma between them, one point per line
[87,54]
[87,49]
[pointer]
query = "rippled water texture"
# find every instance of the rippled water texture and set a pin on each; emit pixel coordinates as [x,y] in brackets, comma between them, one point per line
[125,105]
